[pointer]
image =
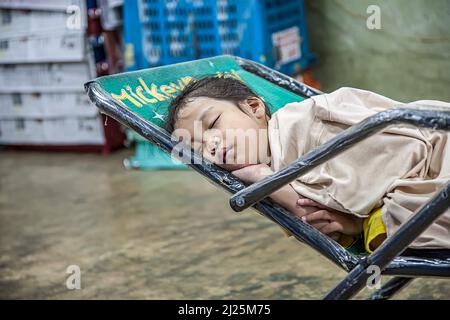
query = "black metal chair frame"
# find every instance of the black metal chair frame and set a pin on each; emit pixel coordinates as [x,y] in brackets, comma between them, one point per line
[390,257]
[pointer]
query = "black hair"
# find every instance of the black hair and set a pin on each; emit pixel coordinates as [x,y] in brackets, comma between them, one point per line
[225,88]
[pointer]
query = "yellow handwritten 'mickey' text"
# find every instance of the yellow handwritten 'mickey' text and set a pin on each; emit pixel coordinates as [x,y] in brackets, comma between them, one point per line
[144,94]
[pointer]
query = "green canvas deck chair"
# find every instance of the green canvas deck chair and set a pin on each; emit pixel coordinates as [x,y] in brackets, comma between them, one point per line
[139,100]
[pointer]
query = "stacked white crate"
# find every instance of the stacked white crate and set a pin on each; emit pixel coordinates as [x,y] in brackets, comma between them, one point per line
[44,62]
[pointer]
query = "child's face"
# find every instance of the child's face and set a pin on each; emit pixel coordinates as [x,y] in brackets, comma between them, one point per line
[230,136]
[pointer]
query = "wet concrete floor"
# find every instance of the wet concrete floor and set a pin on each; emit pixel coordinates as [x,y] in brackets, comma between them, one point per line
[147,235]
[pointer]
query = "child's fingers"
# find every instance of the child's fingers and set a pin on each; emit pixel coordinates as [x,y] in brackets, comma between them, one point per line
[319,224]
[318,215]
[331,227]
[305,202]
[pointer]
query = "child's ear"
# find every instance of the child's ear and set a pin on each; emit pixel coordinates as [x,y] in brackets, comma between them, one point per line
[256,107]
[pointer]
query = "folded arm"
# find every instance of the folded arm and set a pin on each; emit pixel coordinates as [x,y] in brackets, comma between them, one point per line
[326,220]
[286,196]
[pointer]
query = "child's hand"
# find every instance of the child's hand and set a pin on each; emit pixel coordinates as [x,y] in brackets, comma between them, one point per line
[305,202]
[253,173]
[336,221]
[309,206]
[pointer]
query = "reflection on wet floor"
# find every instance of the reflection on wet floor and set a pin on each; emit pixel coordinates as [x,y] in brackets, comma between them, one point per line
[146,235]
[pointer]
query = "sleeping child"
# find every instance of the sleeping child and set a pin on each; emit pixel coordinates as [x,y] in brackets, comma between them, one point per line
[368,190]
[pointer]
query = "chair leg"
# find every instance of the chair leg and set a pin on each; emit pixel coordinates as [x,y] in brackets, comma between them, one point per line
[390,288]
[392,246]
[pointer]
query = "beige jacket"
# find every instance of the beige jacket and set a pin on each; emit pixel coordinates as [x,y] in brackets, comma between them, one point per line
[399,168]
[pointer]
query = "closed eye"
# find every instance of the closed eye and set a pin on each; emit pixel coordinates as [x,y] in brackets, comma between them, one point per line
[214,122]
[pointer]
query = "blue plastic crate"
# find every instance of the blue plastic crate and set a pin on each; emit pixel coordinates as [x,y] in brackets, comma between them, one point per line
[272,32]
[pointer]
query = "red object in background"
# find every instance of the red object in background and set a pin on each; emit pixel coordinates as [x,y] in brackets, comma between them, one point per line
[113,45]
[102,68]
[307,78]
[114,131]
[114,135]
[93,12]
[94,26]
